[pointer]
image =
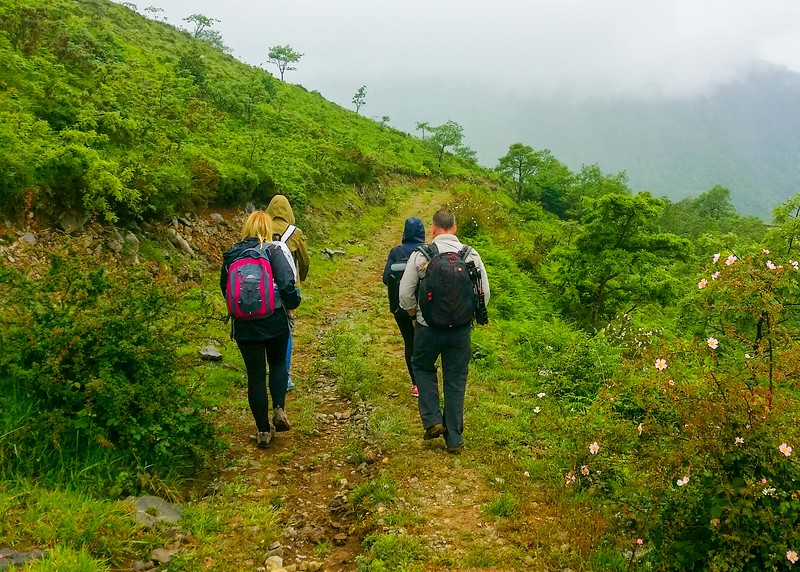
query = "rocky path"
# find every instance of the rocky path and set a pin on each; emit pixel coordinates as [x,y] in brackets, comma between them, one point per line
[311,472]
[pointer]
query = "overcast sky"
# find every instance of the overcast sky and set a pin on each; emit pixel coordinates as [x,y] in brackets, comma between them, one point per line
[503,68]
[652,48]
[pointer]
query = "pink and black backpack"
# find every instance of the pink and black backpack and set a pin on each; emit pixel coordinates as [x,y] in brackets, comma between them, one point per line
[250,292]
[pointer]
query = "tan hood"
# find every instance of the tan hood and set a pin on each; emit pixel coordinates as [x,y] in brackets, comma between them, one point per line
[279,207]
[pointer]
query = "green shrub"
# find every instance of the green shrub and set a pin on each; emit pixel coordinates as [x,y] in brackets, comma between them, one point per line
[92,380]
[696,438]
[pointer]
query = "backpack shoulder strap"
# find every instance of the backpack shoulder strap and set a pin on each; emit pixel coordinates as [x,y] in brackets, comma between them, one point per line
[464,252]
[287,234]
[428,250]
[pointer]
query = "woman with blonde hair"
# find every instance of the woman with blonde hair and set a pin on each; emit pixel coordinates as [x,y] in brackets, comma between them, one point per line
[262,341]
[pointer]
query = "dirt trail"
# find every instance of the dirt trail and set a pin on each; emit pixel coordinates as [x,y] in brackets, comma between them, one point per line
[311,473]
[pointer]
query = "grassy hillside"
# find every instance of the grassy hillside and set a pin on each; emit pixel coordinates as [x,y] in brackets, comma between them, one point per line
[107,111]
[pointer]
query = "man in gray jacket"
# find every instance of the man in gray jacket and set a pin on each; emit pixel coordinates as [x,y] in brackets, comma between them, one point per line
[452,343]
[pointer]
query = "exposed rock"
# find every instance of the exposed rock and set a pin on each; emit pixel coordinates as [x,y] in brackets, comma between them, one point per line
[28,238]
[329,253]
[115,246]
[9,557]
[210,353]
[180,242]
[151,510]
[161,555]
[132,241]
[219,219]
[72,221]
[274,563]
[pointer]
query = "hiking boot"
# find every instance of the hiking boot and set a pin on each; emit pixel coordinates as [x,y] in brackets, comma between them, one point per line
[279,419]
[434,431]
[289,385]
[414,391]
[264,438]
[455,450]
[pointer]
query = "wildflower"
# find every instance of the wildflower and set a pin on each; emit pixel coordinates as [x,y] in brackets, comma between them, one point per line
[527,474]
[794,264]
[540,395]
[763,481]
[661,364]
[585,470]
[715,275]
[640,428]
[671,382]
[682,482]
[537,409]
[785,449]
[570,478]
[765,251]
[716,258]
[714,522]
[791,556]
[738,441]
[770,265]
[639,541]
[702,284]
[730,260]
[748,356]
[713,343]
[768,492]
[594,448]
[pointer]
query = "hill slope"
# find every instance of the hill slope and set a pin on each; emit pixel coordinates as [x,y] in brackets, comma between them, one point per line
[107,111]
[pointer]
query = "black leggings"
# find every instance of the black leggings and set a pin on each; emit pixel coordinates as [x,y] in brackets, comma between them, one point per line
[407,330]
[256,356]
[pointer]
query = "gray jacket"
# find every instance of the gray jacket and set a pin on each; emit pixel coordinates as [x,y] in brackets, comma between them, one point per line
[415,270]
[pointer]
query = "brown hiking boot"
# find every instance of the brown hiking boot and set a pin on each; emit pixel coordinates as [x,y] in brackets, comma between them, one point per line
[433,432]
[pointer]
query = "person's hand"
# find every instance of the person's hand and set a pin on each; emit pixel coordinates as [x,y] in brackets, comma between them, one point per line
[292,313]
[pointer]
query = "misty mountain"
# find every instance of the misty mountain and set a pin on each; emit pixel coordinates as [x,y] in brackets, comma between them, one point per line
[744,136]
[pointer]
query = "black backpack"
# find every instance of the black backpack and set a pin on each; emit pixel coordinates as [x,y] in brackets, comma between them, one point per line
[396,271]
[447,290]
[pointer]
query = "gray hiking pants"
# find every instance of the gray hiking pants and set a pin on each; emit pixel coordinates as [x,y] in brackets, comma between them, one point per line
[454,347]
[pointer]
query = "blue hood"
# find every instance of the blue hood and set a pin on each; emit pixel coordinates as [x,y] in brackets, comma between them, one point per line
[413,235]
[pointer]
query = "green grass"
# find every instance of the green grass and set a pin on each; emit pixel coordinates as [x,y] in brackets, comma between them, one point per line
[392,552]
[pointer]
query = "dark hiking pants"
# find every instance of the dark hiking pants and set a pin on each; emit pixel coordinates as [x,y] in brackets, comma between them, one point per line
[406,327]
[256,356]
[454,347]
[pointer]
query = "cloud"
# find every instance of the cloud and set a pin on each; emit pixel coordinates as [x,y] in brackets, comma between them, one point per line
[573,48]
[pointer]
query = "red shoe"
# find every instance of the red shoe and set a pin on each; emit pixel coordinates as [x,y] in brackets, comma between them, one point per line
[414,391]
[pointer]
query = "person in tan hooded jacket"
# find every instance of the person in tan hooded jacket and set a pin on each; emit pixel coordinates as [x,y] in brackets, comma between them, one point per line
[282,217]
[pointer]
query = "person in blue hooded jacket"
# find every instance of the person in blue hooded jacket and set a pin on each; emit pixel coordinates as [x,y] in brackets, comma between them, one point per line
[413,237]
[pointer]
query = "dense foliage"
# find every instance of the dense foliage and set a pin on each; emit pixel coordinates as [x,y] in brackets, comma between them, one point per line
[104,110]
[93,387]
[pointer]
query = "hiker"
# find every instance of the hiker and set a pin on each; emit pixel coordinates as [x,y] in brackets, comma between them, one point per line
[284,230]
[413,237]
[442,324]
[262,341]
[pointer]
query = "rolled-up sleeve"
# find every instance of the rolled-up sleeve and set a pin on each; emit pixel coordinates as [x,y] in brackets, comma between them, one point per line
[409,282]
